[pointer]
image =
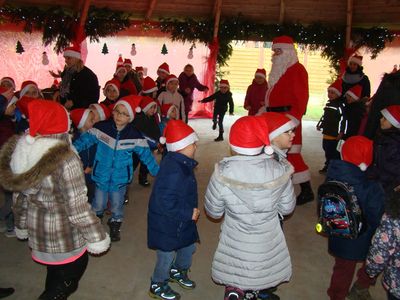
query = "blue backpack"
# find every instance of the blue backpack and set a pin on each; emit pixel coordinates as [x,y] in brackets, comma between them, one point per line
[340,214]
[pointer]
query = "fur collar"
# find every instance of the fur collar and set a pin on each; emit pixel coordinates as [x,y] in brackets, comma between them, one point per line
[23,166]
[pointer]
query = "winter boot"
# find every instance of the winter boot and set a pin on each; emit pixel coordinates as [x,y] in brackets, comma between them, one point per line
[232,293]
[5,292]
[163,291]
[220,137]
[306,194]
[60,292]
[357,293]
[115,234]
[181,277]
[268,294]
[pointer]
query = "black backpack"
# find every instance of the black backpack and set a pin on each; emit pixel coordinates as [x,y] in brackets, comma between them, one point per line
[340,214]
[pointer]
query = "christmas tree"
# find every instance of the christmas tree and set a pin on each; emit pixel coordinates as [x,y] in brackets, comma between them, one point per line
[164,50]
[105,49]
[20,49]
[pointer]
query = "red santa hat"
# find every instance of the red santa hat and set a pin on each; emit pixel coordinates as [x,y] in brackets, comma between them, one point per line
[127,62]
[167,108]
[147,103]
[73,51]
[26,85]
[261,72]
[249,135]
[139,70]
[336,87]
[45,118]
[223,83]
[79,116]
[178,135]
[149,85]
[102,109]
[3,90]
[131,103]
[357,59]
[120,65]
[278,123]
[116,84]
[283,42]
[170,78]
[164,68]
[22,105]
[355,92]
[357,150]
[9,80]
[392,114]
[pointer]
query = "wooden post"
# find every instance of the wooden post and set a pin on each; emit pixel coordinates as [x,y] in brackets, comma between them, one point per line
[85,10]
[2,2]
[282,12]
[349,22]
[218,8]
[150,10]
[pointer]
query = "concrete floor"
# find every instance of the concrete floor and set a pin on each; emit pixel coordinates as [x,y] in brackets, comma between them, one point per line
[125,271]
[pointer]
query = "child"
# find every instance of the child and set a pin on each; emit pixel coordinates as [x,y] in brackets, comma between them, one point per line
[354,111]
[112,92]
[30,89]
[8,83]
[222,98]
[384,254]
[356,156]
[140,75]
[173,213]
[127,86]
[333,123]
[100,111]
[132,75]
[116,140]
[168,112]
[250,189]
[149,88]
[171,95]
[256,92]
[162,74]
[50,203]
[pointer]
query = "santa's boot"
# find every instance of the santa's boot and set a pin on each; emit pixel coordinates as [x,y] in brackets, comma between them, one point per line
[306,194]
[220,137]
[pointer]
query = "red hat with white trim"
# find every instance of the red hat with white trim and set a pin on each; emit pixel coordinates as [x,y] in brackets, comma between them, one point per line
[46,118]
[147,103]
[127,62]
[164,68]
[167,108]
[149,85]
[282,42]
[22,105]
[261,73]
[116,84]
[278,124]
[355,92]
[120,65]
[336,87]
[26,85]
[131,103]
[73,51]
[102,109]
[178,135]
[357,59]
[249,135]
[79,116]
[9,80]
[139,70]
[357,150]
[170,78]
[224,83]
[392,114]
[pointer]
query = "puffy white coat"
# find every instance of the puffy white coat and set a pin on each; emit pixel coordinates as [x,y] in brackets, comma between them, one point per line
[251,191]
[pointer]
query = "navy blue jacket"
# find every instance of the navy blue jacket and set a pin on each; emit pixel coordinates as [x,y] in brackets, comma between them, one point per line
[174,196]
[371,199]
[87,156]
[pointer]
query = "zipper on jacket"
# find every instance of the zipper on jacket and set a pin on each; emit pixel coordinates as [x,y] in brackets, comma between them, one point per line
[113,158]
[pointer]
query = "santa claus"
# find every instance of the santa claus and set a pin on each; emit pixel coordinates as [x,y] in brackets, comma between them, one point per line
[288,94]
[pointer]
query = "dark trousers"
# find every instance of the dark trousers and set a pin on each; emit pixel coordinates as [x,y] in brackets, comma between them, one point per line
[391,297]
[342,277]
[143,171]
[218,117]
[329,147]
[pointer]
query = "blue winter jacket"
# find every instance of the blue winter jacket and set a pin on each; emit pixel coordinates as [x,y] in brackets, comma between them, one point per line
[87,156]
[174,196]
[371,199]
[113,167]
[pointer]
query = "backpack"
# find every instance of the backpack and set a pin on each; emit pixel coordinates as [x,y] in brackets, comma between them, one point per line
[340,214]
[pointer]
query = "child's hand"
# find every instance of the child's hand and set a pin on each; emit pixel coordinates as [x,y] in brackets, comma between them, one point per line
[319,128]
[196,214]
[340,136]
[88,170]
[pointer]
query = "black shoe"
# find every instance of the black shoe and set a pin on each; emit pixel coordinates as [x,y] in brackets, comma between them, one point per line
[219,138]
[268,294]
[323,170]
[144,183]
[126,201]
[115,233]
[5,292]
[306,194]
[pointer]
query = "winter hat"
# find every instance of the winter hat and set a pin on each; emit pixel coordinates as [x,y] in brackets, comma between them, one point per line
[120,65]
[22,105]
[392,114]
[79,116]
[355,92]
[9,80]
[164,68]
[278,124]
[147,103]
[261,72]
[149,85]
[73,51]
[336,87]
[166,109]
[3,90]
[357,150]
[114,83]
[178,135]
[102,109]
[356,59]
[127,62]
[45,118]
[170,78]
[139,70]
[282,42]
[224,83]
[26,85]
[249,135]
[131,103]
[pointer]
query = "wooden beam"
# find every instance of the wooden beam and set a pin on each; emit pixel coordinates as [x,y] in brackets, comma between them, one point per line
[2,2]
[84,14]
[282,12]
[218,8]
[349,22]
[150,10]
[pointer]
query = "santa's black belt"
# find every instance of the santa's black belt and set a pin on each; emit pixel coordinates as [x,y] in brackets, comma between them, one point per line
[279,108]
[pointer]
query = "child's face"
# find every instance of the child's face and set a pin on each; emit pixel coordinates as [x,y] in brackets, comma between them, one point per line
[350,99]
[385,124]
[259,79]
[189,151]
[188,71]
[332,95]
[32,92]
[89,122]
[121,74]
[284,140]
[7,85]
[121,116]
[224,89]
[172,86]
[128,68]
[112,93]
[152,110]
[173,114]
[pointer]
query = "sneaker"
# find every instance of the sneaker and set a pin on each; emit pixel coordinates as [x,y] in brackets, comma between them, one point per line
[357,293]
[268,294]
[10,233]
[232,293]
[181,277]
[144,182]
[163,291]
[250,295]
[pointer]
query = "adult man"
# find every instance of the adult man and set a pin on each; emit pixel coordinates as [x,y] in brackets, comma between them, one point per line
[288,94]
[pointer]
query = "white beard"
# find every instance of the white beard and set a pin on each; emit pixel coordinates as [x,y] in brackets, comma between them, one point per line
[280,64]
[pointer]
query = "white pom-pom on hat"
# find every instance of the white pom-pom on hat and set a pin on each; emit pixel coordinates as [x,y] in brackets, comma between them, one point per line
[30,139]
[268,150]
[163,140]
[363,166]
[138,109]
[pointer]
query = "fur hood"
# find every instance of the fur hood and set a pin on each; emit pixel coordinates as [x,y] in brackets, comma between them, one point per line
[24,166]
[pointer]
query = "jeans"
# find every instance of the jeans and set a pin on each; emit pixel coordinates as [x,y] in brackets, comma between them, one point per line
[116,199]
[329,147]
[181,259]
